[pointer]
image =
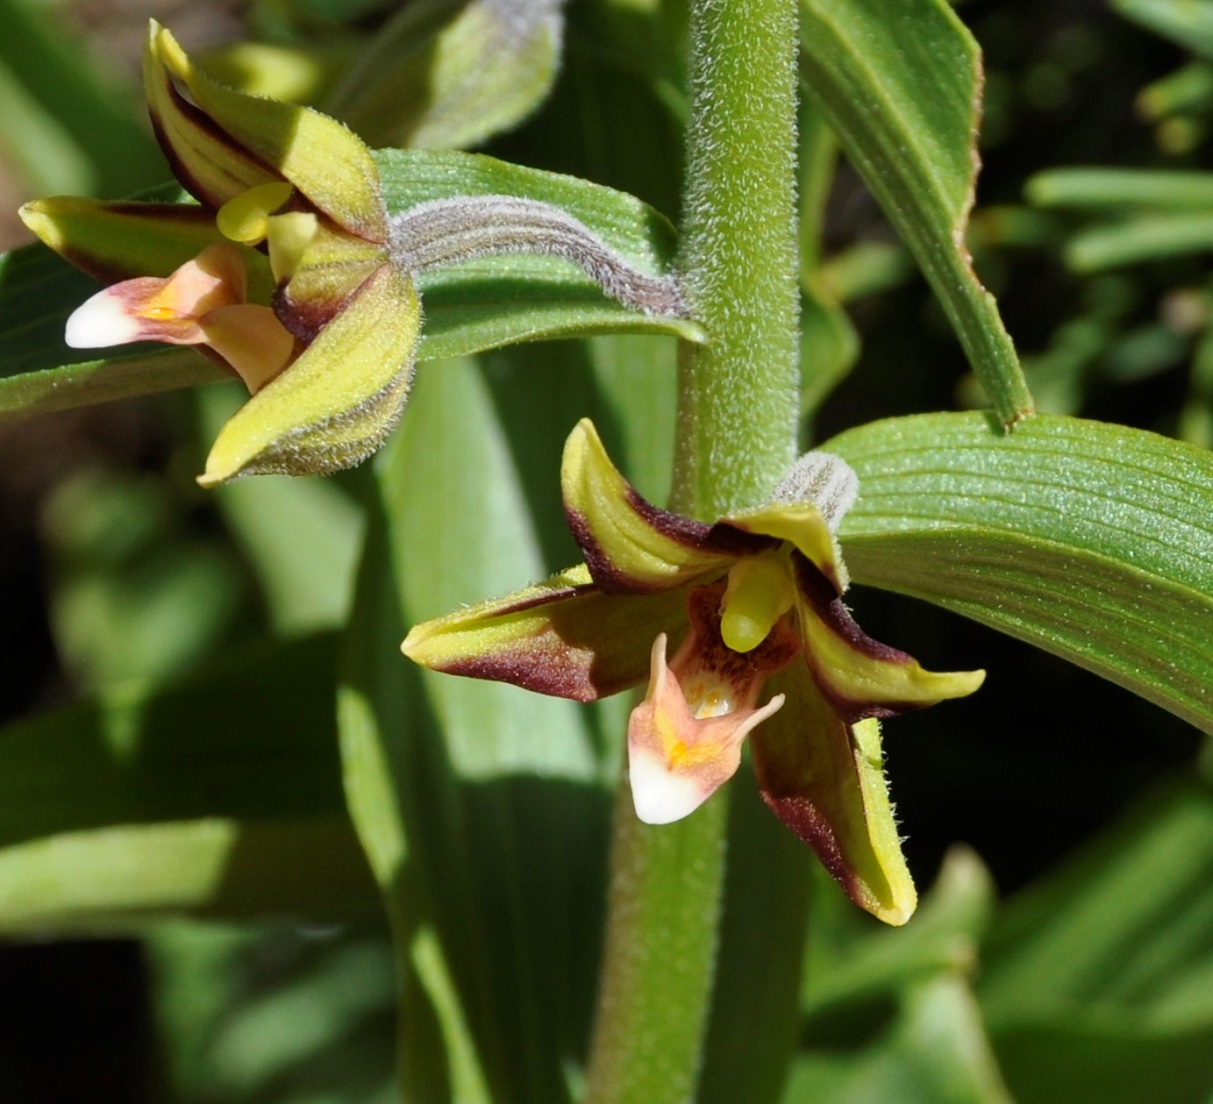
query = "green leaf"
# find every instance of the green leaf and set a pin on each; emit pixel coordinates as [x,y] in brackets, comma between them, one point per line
[1187,90]
[933,1052]
[273,1012]
[850,963]
[468,308]
[443,76]
[1092,541]
[1141,239]
[1184,22]
[302,537]
[96,121]
[1154,214]
[900,83]
[889,1015]
[218,796]
[1101,976]
[482,807]
[829,343]
[1120,189]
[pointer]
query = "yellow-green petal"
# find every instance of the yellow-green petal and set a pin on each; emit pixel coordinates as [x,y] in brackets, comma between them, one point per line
[629,544]
[335,405]
[803,526]
[866,678]
[325,160]
[862,677]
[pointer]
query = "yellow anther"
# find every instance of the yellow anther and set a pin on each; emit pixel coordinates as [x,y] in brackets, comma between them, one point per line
[759,593]
[245,218]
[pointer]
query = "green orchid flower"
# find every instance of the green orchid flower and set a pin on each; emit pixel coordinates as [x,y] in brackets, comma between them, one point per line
[282,274]
[289,271]
[762,647]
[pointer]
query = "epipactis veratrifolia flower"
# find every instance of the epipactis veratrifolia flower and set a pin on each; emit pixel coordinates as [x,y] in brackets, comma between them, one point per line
[762,647]
[290,272]
[282,273]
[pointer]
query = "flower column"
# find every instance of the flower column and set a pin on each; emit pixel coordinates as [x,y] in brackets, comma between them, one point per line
[736,436]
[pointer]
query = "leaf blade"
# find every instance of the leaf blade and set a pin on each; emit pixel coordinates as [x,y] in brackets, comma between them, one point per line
[1092,541]
[900,83]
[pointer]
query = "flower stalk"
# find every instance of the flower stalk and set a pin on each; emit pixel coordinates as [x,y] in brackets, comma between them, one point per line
[736,436]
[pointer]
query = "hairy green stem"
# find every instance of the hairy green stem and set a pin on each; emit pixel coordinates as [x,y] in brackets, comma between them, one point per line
[738,393]
[736,436]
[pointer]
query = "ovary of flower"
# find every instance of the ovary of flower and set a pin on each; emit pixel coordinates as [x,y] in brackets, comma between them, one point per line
[201,303]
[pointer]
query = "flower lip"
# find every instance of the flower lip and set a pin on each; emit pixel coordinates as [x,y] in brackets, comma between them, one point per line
[684,739]
[169,310]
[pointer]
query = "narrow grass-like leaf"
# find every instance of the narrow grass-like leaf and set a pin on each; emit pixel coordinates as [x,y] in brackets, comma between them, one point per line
[219,796]
[900,82]
[1121,189]
[1092,541]
[1186,22]
[1148,214]
[1147,238]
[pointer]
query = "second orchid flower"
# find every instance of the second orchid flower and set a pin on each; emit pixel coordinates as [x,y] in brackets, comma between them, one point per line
[289,271]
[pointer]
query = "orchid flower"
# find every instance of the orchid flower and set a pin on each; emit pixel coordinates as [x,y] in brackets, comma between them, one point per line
[290,217]
[289,270]
[763,648]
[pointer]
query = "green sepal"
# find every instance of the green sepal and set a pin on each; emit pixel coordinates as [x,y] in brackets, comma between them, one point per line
[326,161]
[560,637]
[335,405]
[629,545]
[825,780]
[119,241]
[210,164]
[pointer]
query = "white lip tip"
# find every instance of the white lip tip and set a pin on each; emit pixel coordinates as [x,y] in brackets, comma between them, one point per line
[99,323]
[659,796]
